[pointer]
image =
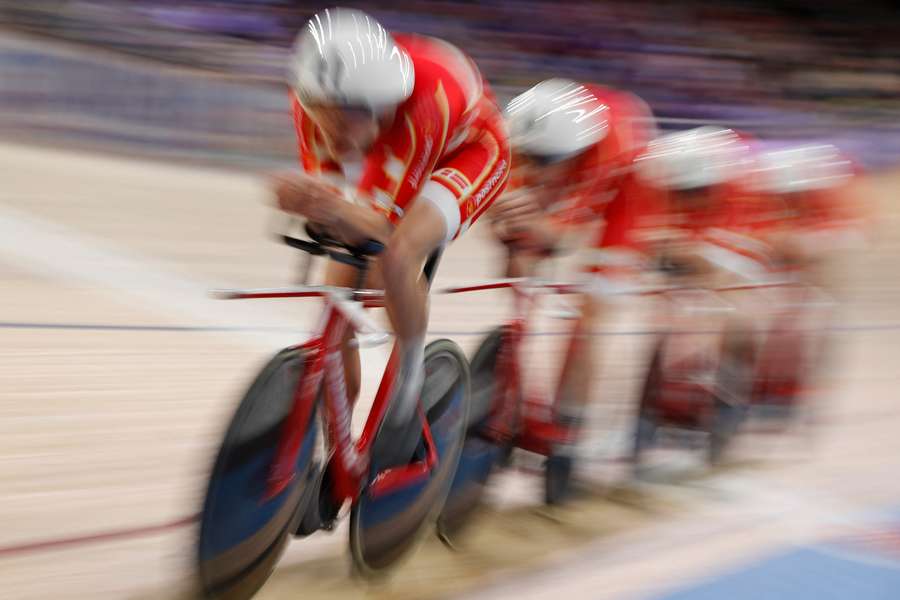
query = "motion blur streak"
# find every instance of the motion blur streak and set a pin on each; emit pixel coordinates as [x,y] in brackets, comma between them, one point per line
[736,444]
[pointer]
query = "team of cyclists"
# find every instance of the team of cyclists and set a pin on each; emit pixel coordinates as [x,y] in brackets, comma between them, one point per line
[402,142]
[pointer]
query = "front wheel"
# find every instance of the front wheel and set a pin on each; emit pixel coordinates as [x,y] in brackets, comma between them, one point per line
[384,526]
[242,529]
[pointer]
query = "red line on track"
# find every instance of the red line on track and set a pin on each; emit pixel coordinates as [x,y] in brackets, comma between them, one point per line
[94,538]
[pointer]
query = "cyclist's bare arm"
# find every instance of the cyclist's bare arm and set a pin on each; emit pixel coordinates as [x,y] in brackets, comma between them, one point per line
[521,221]
[326,206]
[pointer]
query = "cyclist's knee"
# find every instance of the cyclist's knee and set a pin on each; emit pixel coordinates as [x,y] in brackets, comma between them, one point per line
[403,255]
[395,260]
[420,232]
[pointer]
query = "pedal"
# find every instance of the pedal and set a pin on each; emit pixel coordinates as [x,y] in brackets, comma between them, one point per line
[397,446]
[307,523]
[320,511]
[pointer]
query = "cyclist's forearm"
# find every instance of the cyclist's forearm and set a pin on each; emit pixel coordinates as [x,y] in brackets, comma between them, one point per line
[356,224]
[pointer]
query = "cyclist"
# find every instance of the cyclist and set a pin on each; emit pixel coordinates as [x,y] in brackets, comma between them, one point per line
[808,186]
[715,237]
[814,218]
[573,145]
[401,142]
[714,229]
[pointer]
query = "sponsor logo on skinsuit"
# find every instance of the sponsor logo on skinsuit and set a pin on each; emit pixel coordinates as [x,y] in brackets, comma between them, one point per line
[495,177]
[423,160]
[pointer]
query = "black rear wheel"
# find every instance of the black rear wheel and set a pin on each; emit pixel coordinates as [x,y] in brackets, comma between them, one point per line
[384,528]
[480,454]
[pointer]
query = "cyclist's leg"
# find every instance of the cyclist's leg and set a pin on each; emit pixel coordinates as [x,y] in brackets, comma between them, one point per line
[459,190]
[616,258]
[420,232]
[581,359]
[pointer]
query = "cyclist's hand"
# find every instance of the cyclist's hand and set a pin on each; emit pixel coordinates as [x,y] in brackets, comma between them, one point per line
[306,195]
[513,214]
[520,204]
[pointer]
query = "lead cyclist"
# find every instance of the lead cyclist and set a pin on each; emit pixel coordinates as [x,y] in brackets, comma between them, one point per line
[400,141]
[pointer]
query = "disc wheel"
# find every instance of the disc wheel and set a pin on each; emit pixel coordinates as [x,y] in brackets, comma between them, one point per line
[480,454]
[384,527]
[242,529]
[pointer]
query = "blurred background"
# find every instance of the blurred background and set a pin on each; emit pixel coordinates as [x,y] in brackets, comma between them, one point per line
[132,133]
[204,79]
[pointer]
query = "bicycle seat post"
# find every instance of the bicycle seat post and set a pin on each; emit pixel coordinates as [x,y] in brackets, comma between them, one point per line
[361,273]
[306,262]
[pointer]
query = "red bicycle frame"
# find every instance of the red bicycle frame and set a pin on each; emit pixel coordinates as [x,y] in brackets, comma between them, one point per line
[515,418]
[323,365]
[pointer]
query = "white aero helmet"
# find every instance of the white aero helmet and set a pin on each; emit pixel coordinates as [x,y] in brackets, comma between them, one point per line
[801,169]
[345,57]
[556,119]
[697,158]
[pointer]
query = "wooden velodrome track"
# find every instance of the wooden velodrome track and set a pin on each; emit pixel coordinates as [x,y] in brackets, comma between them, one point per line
[118,372]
